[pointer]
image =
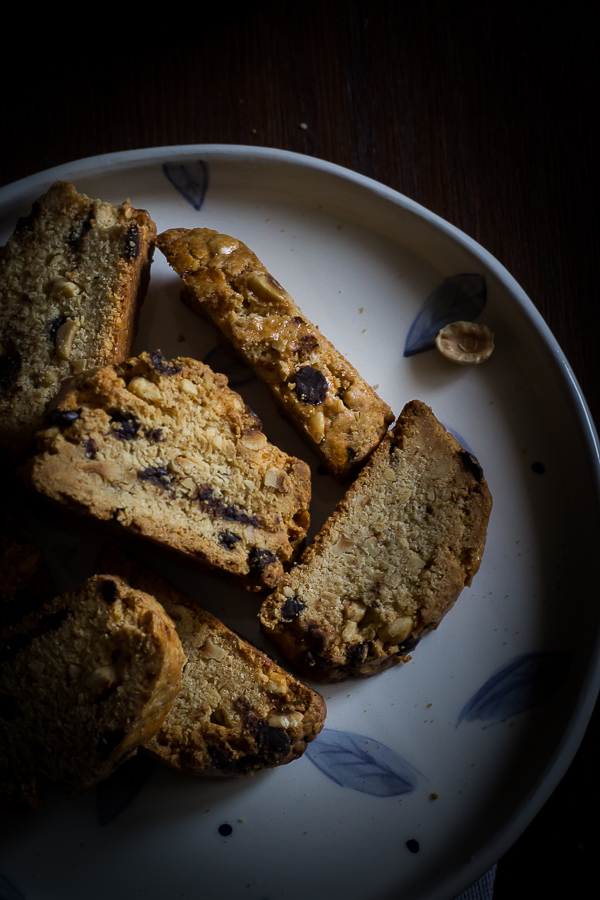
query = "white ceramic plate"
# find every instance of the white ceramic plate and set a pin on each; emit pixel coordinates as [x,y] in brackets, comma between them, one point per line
[425,775]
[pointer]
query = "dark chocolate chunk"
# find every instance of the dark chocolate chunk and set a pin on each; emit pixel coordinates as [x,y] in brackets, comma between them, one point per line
[291,609]
[156,475]
[356,655]
[25,223]
[229,539]
[90,448]
[109,742]
[162,365]
[10,364]
[471,465]
[219,757]
[306,345]
[109,591]
[258,561]
[63,417]
[132,242]
[76,237]
[311,385]
[154,434]
[271,743]
[55,325]
[128,425]
[217,508]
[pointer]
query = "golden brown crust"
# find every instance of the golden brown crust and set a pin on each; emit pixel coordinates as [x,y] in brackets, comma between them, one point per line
[391,560]
[335,410]
[166,452]
[237,711]
[72,279]
[84,680]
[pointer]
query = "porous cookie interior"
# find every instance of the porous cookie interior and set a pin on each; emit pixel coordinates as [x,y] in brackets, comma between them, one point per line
[392,559]
[237,711]
[84,680]
[167,450]
[66,302]
[317,387]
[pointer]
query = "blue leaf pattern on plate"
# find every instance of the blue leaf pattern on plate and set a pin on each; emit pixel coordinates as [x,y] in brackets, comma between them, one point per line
[190,180]
[8,891]
[118,792]
[458,298]
[518,686]
[362,763]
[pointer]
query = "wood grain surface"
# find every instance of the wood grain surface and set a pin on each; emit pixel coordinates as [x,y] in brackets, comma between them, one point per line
[485,113]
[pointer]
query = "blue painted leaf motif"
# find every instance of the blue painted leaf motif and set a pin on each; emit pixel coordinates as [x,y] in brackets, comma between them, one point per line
[362,763]
[458,298]
[221,361]
[191,180]
[8,891]
[118,792]
[516,687]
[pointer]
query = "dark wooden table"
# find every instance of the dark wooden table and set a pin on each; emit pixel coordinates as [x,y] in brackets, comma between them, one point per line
[483,112]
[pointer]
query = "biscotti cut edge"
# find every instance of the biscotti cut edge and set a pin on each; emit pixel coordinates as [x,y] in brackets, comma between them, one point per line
[73,276]
[334,409]
[238,711]
[165,452]
[85,680]
[392,559]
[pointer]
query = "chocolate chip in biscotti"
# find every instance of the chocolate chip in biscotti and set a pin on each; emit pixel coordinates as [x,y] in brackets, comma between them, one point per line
[62,417]
[390,561]
[162,365]
[310,385]
[194,476]
[132,243]
[330,403]
[127,425]
[92,674]
[70,300]
[158,475]
[238,711]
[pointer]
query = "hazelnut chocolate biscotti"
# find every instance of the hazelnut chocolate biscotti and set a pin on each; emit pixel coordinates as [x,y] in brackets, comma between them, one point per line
[237,711]
[391,560]
[72,278]
[167,452]
[322,394]
[84,680]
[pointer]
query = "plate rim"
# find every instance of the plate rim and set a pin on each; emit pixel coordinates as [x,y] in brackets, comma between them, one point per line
[566,748]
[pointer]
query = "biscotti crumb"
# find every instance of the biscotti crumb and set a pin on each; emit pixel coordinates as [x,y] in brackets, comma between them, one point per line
[237,711]
[72,278]
[85,680]
[391,560]
[335,410]
[164,451]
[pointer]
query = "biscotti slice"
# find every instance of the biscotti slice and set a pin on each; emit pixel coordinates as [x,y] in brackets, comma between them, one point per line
[391,560]
[166,451]
[72,278]
[332,406]
[237,711]
[84,681]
